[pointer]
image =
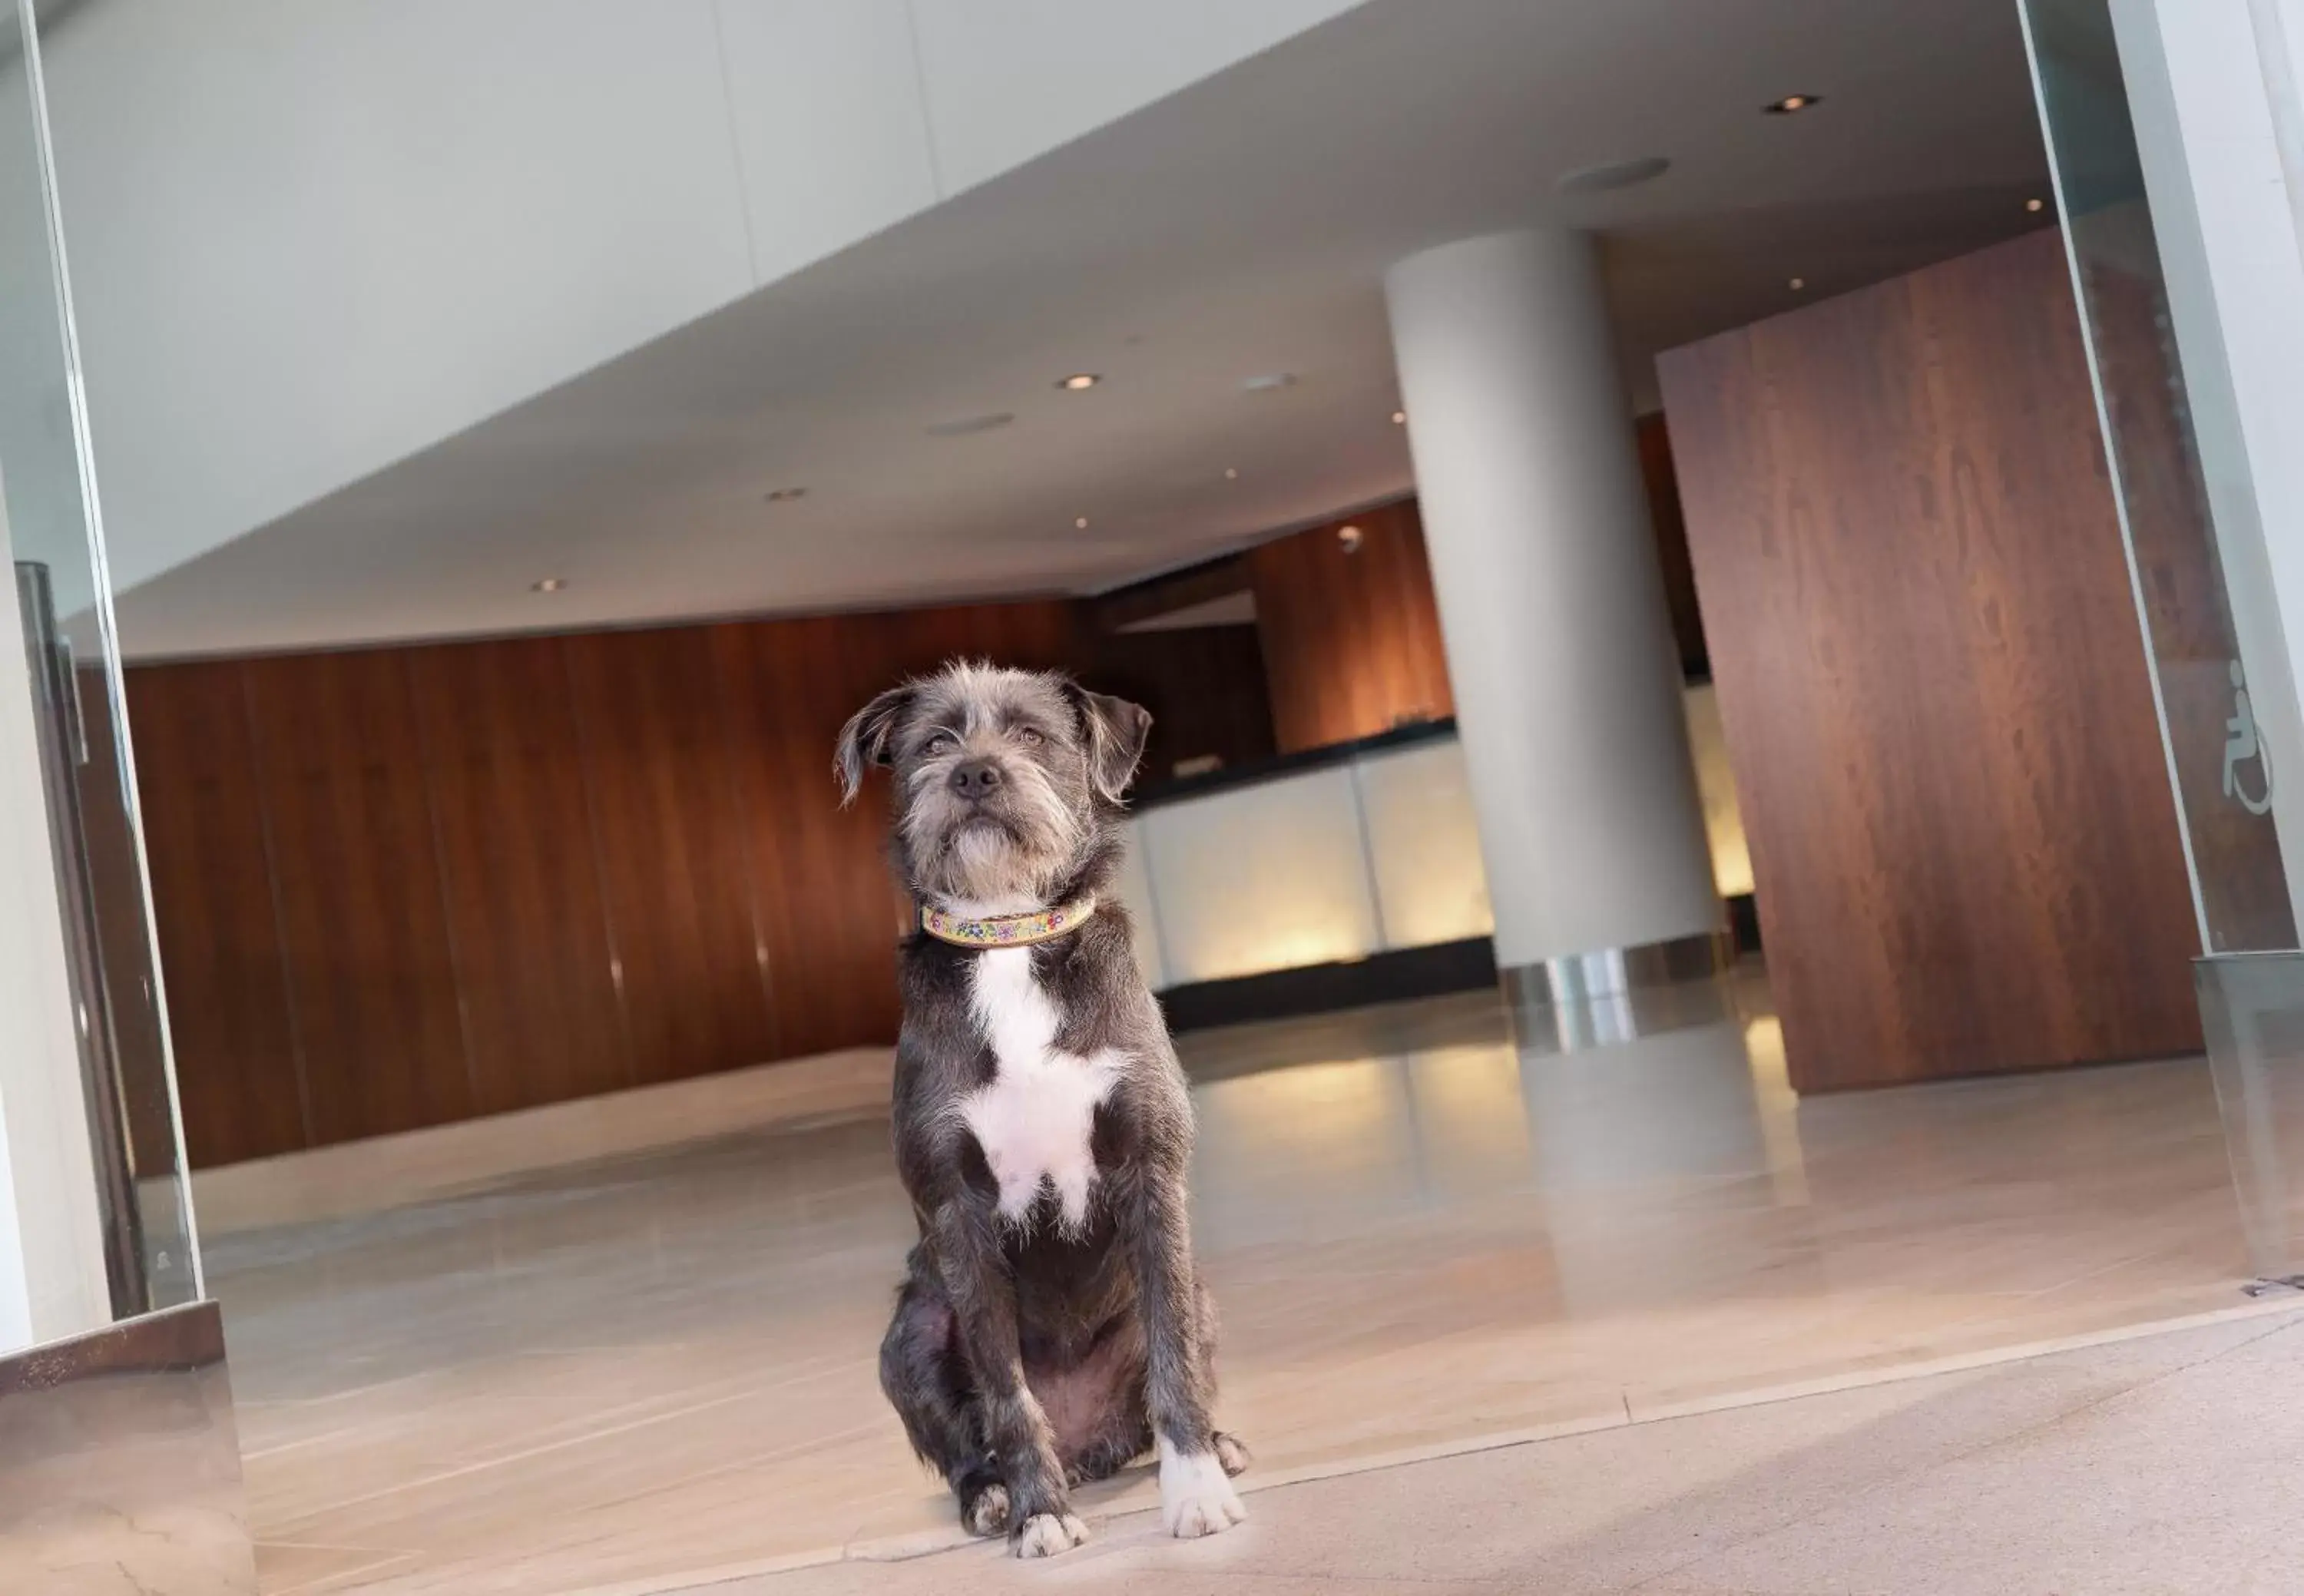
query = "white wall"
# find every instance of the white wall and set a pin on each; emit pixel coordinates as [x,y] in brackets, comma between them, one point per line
[311,239]
[1008,79]
[51,1280]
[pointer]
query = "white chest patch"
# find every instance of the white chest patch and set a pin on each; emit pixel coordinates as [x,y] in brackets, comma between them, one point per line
[1033,1120]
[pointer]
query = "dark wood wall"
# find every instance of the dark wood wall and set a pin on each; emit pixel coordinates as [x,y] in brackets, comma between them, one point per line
[401,886]
[1210,681]
[1931,677]
[1352,638]
[1350,635]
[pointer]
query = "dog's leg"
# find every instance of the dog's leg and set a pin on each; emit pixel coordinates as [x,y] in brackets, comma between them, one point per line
[927,1382]
[976,1278]
[1196,1494]
[1230,1450]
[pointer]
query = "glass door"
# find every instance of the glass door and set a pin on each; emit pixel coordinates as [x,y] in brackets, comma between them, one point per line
[2197,554]
[96,1220]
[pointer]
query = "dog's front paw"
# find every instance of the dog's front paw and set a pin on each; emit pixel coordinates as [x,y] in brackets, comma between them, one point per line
[1196,1497]
[1044,1535]
[986,1512]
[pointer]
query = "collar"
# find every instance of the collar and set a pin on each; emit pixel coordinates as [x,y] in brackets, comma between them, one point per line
[1007,930]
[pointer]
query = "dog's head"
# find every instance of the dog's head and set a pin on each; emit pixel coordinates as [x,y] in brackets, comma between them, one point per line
[1007,782]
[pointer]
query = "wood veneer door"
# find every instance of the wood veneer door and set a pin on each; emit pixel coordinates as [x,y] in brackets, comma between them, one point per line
[371,976]
[1932,680]
[535,964]
[660,770]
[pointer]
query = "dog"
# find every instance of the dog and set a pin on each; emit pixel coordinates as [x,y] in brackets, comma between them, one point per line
[1050,1329]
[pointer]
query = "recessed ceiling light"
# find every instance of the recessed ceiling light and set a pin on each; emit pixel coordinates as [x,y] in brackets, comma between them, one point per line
[550,584]
[1349,538]
[1614,175]
[1232,473]
[1798,283]
[2036,205]
[784,496]
[1269,381]
[1080,522]
[1792,104]
[1080,380]
[1400,417]
[962,426]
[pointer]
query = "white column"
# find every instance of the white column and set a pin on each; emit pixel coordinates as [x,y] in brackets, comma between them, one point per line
[52,1279]
[2211,85]
[1552,603]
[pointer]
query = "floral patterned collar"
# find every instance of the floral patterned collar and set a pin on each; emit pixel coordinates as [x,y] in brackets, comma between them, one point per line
[1006,931]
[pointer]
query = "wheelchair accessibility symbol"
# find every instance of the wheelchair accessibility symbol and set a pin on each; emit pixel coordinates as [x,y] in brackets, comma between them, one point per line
[2243,747]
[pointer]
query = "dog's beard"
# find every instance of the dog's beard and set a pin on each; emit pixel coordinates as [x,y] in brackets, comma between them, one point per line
[1018,846]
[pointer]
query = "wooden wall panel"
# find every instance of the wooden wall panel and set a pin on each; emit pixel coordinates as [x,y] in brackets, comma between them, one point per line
[1205,686]
[398,887]
[661,772]
[1932,682]
[503,761]
[237,1069]
[123,933]
[370,973]
[1351,640]
[830,915]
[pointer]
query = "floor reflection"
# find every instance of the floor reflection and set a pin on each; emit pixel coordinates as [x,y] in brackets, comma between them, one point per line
[1418,1232]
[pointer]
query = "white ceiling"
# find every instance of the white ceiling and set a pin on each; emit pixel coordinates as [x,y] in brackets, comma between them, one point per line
[1238,228]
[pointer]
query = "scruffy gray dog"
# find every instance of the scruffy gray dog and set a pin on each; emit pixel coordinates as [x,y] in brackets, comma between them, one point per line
[1050,1329]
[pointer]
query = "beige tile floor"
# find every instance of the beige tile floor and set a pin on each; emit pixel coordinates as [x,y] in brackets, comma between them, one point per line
[645,1371]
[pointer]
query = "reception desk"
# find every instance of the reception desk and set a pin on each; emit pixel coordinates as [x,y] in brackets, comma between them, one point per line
[1356,867]
[1326,858]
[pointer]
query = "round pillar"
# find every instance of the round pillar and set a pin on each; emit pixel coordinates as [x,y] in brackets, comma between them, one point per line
[1569,695]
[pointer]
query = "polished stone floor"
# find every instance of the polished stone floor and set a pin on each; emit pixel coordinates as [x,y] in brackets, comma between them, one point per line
[656,1370]
[2153,1467]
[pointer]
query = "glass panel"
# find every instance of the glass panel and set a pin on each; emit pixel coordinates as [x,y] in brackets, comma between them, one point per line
[65,769]
[2252,1007]
[2222,773]
[1423,845]
[1267,876]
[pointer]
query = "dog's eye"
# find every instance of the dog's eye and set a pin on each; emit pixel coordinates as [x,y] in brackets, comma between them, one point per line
[1030,738]
[941,743]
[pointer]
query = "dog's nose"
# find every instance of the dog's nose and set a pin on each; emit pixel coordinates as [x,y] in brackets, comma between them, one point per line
[975,779]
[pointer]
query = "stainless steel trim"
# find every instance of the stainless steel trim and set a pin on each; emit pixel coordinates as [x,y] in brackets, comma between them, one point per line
[120,1462]
[62,747]
[1619,994]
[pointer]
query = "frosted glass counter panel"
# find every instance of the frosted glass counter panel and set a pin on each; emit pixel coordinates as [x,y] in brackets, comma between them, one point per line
[1134,890]
[1262,878]
[1426,845]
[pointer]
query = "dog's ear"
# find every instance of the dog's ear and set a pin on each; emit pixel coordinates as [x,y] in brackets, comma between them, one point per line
[1115,731]
[865,739]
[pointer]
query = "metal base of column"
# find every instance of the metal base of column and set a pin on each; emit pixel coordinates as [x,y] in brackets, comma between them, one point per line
[1621,994]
